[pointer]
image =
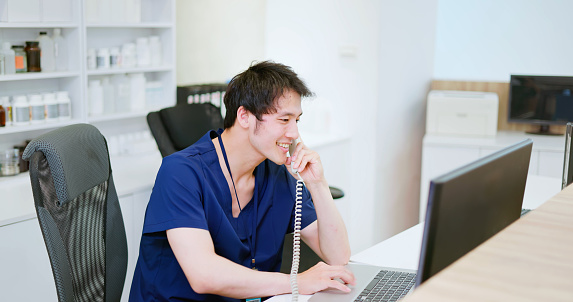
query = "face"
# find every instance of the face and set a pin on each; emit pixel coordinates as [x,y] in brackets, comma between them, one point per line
[271,136]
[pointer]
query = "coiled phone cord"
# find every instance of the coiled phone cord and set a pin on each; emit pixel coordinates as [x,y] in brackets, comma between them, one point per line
[296,239]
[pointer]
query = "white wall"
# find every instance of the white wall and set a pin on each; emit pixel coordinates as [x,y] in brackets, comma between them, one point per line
[487,40]
[217,39]
[406,66]
[372,61]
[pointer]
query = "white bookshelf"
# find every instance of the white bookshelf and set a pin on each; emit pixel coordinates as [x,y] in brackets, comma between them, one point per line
[157,18]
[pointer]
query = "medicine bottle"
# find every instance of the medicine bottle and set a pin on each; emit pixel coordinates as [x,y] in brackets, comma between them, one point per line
[2,116]
[9,163]
[20,60]
[48,62]
[64,105]
[92,59]
[95,97]
[114,57]
[5,101]
[33,56]
[52,111]
[20,110]
[143,53]
[60,50]
[9,58]
[155,51]
[102,59]
[37,109]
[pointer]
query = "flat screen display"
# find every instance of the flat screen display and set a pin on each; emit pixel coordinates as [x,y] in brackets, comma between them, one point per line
[541,99]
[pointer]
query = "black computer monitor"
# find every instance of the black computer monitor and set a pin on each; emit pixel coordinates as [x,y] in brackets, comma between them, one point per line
[470,204]
[568,160]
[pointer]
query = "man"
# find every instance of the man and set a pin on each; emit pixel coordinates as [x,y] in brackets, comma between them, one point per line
[219,210]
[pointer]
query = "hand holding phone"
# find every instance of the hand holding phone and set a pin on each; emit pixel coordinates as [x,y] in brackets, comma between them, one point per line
[291,150]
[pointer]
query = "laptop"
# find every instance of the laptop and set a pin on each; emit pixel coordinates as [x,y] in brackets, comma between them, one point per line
[465,208]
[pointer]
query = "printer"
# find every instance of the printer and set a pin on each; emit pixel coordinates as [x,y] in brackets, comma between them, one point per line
[465,113]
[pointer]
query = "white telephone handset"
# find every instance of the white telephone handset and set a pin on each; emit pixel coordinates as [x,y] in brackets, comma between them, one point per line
[297,222]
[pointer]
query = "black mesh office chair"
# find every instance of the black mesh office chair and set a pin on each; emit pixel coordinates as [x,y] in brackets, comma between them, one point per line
[79,214]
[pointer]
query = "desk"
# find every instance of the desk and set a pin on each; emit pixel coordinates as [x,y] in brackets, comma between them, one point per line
[530,260]
[403,251]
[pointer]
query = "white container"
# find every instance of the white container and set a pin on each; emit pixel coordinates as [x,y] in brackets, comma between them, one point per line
[154,94]
[108,96]
[37,109]
[137,91]
[122,93]
[95,93]
[9,58]
[5,102]
[64,106]
[114,57]
[21,110]
[52,110]
[143,53]
[128,57]
[102,58]
[60,50]
[48,60]
[92,59]
[155,51]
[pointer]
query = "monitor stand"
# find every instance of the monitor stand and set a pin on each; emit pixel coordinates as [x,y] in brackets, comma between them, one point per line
[543,129]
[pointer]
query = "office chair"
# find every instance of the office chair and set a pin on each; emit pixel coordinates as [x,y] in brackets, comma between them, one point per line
[78,212]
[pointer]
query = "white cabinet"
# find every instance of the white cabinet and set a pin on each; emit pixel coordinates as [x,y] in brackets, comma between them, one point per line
[441,154]
[154,18]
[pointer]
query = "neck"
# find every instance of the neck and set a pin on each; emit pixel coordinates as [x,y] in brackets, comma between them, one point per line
[242,159]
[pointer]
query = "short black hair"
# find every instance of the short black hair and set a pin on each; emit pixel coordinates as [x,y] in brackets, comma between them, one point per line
[257,88]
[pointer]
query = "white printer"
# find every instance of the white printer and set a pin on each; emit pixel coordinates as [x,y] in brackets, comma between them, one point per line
[468,113]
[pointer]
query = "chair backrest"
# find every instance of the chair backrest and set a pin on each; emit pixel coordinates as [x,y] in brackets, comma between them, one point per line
[176,128]
[79,214]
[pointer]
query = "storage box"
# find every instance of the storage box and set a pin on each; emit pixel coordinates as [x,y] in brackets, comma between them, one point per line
[467,113]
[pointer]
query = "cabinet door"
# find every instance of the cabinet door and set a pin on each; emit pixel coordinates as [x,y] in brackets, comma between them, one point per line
[25,270]
[437,160]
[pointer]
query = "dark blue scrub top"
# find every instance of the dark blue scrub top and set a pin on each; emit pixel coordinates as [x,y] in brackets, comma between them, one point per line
[191,191]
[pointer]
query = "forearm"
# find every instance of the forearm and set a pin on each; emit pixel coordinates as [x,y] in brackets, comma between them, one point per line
[332,234]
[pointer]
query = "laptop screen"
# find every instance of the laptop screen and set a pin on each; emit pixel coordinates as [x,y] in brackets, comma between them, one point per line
[471,204]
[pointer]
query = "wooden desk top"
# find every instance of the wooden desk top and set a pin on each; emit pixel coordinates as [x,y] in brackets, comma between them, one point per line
[530,260]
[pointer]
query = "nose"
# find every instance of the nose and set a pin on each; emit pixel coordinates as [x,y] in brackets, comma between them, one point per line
[292,131]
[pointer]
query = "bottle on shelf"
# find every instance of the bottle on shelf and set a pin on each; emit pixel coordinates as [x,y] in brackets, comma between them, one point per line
[33,55]
[2,115]
[37,109]
[20,60]
[128,56]
[52,112]
[9,58]
[122,93]
[155,51]
[48,61]
[143,53]
[21,110]
[103,58]
[95,93]
[114,57]
[92,59]
[60,50]
[64,105]
[5,101]
[108,96]
[137,91]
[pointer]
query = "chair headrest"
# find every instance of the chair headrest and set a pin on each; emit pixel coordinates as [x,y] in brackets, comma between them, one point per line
[77,156]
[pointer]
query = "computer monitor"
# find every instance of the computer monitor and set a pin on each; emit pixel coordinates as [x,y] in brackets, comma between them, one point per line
[568,160]
[540,100]
[470,204]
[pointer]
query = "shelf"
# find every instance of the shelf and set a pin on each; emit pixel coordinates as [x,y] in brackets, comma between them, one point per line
[129,70]
[38,25]
[38,75]
[116,116]
[131,25]
[40,126]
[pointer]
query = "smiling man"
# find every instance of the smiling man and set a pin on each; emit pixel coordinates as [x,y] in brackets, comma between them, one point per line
[220,209]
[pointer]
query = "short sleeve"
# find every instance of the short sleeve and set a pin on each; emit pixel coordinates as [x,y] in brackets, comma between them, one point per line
[176,200]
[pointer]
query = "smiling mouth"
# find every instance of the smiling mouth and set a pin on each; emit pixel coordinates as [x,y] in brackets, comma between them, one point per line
[283,146]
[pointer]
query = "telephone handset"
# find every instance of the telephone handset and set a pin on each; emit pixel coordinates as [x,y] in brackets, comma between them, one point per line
[297,222]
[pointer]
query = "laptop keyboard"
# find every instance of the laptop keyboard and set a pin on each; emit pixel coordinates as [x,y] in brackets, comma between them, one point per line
[387,286]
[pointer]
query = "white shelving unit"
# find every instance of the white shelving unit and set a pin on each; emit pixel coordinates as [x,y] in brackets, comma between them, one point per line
[157,18]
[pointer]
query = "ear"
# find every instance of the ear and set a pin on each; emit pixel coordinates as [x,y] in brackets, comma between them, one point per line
[243,117]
